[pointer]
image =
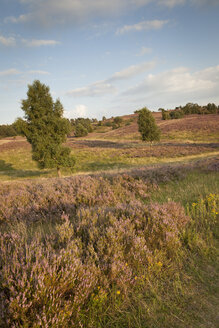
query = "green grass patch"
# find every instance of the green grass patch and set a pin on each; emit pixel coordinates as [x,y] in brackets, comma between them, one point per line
[191,136]
[18,164]
[186,191]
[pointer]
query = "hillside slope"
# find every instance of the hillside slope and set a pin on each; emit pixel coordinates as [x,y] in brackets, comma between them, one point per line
[191,127]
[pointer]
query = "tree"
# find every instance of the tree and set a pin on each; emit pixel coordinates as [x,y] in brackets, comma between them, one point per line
[80,130]
[117,122]
[45,128]
[147,126]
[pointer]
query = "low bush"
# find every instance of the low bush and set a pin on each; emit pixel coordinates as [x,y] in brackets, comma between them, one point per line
[52,281]
[90,262]
[89,252]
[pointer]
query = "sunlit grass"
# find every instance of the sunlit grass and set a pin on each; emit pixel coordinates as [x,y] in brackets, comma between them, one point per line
[186,191]
[18,163]
[191,136]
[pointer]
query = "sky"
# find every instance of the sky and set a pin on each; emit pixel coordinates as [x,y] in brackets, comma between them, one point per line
[109,57]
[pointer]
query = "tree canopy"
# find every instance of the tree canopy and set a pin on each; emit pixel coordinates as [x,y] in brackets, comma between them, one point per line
[147,126]
[45,128]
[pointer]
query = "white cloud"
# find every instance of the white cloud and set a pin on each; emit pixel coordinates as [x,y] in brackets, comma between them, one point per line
[49,12]
[144,51]
[14,71]
[38,72]
[39,43]
[12,41]
[101,88]
[79,111]
[20,19]
[143,26]
[132,71]
[52,12]
[177,85]
[7,41]
[209,73]
[9,72]
[95,89]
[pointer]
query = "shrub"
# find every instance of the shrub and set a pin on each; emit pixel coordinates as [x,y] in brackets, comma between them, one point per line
[176,114]
[165,114]
[118,120]
[108,123]
[80,130]
[86,250]
[81,126]
[53,281]
[147,126]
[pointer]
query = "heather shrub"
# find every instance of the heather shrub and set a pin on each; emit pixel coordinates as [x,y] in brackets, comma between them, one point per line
[43,201]
[81,251]
[51,280]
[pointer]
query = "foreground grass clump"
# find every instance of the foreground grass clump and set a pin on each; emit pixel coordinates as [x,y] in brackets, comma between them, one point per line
[95,251]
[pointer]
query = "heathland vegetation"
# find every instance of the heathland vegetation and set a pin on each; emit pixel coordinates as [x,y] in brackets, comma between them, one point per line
[127,238]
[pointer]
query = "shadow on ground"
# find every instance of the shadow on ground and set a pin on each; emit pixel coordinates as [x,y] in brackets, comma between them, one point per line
[119,145]
[7,169]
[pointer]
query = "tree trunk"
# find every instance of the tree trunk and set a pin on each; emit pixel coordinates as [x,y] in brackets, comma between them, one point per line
[59,172]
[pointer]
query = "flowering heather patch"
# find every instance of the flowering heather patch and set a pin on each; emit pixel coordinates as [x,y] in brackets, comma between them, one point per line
[74,251]
[49,199]
[49,281]
[139,150]
[205,123]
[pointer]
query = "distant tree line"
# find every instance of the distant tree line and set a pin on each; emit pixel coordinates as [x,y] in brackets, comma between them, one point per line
[7,130]
[189,109]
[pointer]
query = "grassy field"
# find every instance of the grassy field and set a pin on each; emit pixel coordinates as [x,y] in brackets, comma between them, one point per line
[128,239]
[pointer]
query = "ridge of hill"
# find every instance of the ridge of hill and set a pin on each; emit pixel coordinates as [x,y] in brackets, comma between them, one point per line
[193,127]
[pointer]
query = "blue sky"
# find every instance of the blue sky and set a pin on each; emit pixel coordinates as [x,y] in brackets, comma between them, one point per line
[109,57]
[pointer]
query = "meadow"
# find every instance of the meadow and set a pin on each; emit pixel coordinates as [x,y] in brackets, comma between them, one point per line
[129,238]
[185,139]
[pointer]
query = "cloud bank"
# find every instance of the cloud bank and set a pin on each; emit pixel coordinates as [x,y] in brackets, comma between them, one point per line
[176,86]
[104,87]
[53,12]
